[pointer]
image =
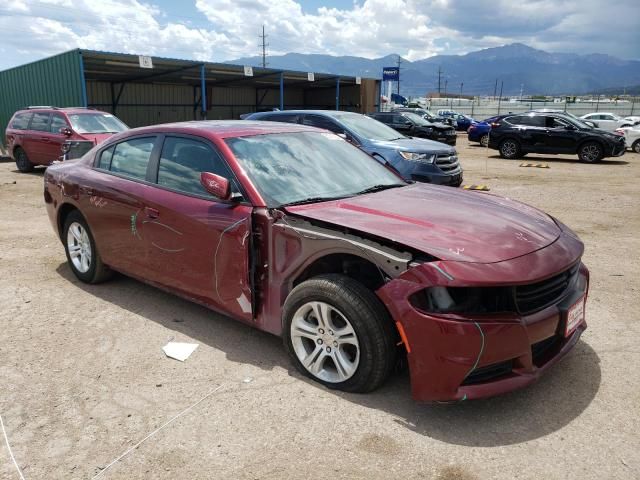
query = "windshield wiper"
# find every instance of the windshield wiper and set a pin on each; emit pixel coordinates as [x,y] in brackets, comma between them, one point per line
[311,200]
[378,188]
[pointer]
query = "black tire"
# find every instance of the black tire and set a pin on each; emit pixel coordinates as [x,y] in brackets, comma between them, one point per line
[510,149]
[97,271]
[374,329]
[590,152]
[636,146]
[484,140]
[22,161]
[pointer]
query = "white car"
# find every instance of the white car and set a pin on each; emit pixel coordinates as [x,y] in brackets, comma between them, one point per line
[606,120]
[631,137]
[632,120]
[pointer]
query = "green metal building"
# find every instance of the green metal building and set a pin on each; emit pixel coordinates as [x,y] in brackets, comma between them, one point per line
[149,90]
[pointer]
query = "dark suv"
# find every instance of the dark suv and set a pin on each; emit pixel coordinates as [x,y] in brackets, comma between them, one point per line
[41,135]
[413,158]
[515,135]
[415,126]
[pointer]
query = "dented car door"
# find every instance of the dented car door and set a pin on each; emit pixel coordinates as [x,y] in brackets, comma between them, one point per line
[197,244]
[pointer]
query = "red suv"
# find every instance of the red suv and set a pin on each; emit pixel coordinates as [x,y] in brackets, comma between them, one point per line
[40,135]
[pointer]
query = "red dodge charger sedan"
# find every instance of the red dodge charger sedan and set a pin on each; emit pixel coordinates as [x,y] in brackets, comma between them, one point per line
[296,232]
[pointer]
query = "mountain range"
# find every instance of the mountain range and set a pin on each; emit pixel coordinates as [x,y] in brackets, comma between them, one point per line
[515,67]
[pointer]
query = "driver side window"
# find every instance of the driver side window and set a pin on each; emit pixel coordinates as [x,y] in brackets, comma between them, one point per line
[321,122]
[183,160]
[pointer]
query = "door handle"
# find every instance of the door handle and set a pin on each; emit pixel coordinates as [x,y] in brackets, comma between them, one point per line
[151,212]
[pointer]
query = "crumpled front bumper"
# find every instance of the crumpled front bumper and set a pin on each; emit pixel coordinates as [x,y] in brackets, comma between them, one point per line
[446,351]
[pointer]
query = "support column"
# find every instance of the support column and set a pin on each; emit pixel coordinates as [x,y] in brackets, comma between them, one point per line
[338,93]
[83,83]
[281,90]
[203,91]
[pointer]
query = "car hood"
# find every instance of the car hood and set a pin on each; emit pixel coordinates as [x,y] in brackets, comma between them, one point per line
[96,138]
[414,145]
[444,222]
[438,125]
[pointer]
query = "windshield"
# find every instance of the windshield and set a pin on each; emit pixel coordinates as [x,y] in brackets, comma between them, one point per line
[367,127]
[304,166]
[96,123]
[417,119]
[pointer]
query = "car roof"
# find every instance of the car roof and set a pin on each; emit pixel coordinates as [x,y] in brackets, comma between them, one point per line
[326,113]
[68,110]
[223,128]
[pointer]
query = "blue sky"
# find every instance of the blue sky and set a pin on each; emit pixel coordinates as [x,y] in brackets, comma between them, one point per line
[221,30]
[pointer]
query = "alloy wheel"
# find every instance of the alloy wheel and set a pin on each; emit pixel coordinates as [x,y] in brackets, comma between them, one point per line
[79,247]
[484,140]
[591,153]
[509,149]
[325,342]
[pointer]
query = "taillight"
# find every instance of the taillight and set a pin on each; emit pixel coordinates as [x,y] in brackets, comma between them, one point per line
[494,124]
[619,131]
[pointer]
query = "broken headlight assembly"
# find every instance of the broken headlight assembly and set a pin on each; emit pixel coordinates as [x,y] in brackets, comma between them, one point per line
[418,157]
[464,300]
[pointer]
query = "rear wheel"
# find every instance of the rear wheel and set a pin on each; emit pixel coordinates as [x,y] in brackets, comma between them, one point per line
[510,148]
[338,333]
[636,146]
[82,255]
[590,152]
[22,161]
[484,140]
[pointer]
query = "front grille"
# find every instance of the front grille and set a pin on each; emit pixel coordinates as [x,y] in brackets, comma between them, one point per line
[540,351]
[450,132]
[536,296]
[447,162]
[490,372]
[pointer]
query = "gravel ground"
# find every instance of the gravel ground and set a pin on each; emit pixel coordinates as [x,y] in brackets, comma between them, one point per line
[83,377]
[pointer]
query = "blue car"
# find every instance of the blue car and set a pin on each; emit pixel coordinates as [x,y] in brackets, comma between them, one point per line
[479,131]
[463,122]
[414,159]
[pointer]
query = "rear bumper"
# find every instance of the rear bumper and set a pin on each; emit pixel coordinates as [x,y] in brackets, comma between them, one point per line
[452,358]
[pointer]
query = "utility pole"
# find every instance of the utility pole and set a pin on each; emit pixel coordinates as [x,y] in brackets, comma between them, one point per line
[495,90]
[460,97]
[439,76]
[264,46]
[500,99]
[521,90]
[399,62]
[445,88]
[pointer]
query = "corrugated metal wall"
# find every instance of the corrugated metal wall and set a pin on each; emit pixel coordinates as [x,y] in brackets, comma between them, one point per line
[53,81]
[231,102]
[144,104]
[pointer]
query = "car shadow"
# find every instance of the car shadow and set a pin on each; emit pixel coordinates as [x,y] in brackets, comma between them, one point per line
[36,172]
[573,160]
[536,411]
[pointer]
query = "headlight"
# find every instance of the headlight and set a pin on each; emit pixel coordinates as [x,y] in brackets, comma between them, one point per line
[418,157]
[464,300]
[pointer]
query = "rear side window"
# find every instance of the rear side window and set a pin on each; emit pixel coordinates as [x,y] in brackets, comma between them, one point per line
[21,121]
[383,118]
[280,118]
[321,122]
[58,122]
[40,122]
[183,160]
[105,158]
[131,158]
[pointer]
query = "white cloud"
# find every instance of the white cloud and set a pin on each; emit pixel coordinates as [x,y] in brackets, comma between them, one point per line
[226,29]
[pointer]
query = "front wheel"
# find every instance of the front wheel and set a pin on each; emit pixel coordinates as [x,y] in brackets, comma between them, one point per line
[82,255]
[510,149]
[338,333]
[22,161]
[590,152]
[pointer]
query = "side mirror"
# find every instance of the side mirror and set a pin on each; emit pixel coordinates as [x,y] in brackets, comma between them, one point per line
[66,131]
[216,185]
[570,127]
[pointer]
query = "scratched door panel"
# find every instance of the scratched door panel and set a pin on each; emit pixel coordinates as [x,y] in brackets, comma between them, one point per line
[199,247]
[114,209]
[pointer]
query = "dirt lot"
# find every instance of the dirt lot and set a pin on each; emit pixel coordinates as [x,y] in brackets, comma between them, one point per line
[83,377]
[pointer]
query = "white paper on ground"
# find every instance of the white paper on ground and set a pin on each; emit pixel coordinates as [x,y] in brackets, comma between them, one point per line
[179,351]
